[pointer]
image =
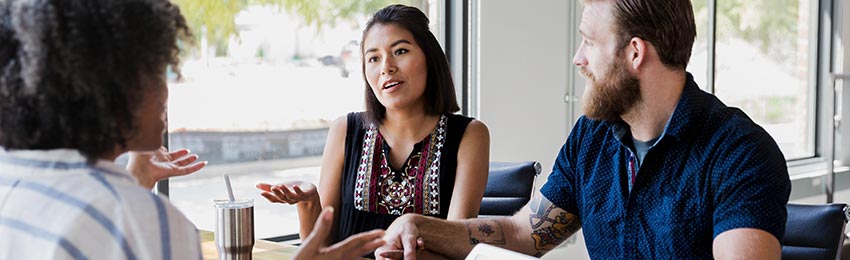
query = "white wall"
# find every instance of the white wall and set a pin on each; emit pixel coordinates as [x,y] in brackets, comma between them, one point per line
[524,67]
[522,78]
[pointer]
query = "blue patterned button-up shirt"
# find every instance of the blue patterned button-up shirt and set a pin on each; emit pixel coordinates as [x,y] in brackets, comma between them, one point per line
[712,170]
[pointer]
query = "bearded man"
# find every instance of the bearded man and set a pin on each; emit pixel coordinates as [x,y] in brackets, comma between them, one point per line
[656,168]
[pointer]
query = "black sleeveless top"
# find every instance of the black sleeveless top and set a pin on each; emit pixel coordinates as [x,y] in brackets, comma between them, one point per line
[374,193]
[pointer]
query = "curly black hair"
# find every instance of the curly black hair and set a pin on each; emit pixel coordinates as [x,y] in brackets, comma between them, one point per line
[71,71]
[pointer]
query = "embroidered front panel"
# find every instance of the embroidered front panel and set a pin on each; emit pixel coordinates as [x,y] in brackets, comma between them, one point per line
[415,188]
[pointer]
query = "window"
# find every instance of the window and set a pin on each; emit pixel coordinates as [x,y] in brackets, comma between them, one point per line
[698,66]
[764,54]
[258,93]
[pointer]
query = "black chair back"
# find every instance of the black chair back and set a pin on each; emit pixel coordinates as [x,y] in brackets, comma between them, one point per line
[509,187]
[814,231]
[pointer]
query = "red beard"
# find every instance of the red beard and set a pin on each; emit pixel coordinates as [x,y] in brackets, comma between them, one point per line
[611,96]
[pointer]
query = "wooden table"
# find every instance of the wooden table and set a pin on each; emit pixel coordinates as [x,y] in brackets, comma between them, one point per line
[262,249]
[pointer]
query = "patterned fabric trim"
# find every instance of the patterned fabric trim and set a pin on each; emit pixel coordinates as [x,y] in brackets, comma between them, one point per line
[361,187]
[432,172]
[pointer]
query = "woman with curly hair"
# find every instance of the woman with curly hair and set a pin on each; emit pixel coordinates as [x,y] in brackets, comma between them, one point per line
[81,82]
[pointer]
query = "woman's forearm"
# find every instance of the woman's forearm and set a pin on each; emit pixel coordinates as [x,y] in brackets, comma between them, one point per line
[308,211]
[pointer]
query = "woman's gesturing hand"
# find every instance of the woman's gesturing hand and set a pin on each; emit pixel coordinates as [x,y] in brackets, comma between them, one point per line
[291,192]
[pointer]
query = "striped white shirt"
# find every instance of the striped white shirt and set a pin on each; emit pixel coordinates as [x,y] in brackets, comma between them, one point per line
[53,205]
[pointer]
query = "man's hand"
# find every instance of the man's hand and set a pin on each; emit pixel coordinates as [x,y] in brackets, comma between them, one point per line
[353,247]
[403,241]
[150,167]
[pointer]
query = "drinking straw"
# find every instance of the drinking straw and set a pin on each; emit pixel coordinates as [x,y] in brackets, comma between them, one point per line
[229,188]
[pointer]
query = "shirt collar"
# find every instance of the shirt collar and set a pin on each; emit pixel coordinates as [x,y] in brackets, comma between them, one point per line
[65,159]
[678,122]
[691,102]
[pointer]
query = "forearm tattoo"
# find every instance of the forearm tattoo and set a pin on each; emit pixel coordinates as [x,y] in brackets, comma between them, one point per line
[550,225]
[486,231]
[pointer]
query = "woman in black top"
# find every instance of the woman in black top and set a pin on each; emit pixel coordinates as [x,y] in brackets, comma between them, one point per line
[407,153]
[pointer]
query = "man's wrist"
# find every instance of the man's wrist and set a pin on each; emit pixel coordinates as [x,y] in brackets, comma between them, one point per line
[410,218]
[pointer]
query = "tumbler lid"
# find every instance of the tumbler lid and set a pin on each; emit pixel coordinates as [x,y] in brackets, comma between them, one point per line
[236,204]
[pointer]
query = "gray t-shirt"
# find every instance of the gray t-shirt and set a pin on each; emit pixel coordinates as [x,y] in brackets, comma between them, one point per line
[641,148]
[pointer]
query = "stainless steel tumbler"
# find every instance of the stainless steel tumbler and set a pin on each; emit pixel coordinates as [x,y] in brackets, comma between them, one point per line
[234,229]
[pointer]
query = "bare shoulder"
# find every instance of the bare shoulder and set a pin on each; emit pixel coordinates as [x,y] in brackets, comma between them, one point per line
[336,137]
[475,141]
[339,124]
[477,130]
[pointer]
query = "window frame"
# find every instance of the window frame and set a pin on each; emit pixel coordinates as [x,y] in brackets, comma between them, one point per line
[821,94]
[815,121]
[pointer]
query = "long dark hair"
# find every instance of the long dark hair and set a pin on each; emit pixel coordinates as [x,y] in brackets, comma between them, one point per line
[439,89]
[72,71]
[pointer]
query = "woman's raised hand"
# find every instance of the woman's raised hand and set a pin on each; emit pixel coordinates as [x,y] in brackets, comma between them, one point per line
[291,192]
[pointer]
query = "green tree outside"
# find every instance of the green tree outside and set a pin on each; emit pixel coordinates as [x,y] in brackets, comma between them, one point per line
[215,18]
[769,24]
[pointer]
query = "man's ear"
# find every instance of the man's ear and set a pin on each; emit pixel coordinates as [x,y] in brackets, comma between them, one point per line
[636,52]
